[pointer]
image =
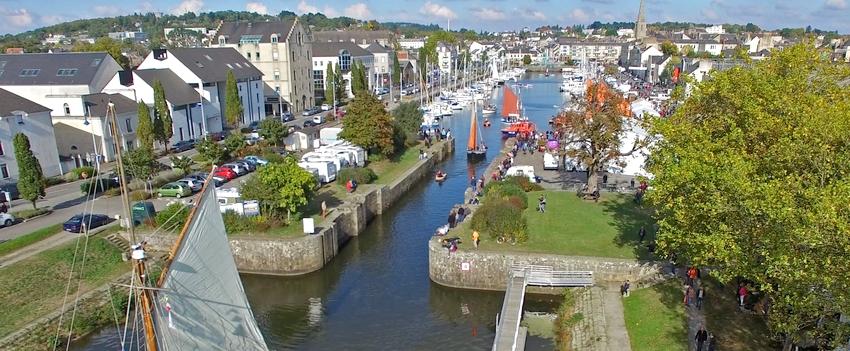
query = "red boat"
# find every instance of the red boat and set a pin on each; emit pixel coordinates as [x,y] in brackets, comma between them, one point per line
[520,129]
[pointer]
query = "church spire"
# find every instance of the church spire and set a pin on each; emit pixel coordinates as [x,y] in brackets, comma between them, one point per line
[640,25]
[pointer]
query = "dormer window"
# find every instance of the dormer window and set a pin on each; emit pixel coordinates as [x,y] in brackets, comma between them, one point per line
[95,62]
[274,38]
[222,40]
[67,109]
[30,72]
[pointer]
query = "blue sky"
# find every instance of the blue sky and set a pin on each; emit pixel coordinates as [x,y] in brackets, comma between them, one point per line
[17,15]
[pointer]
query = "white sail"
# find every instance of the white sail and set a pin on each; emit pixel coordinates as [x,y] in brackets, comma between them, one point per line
[201,304]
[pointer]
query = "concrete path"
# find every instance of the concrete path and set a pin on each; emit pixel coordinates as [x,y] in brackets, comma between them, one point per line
[590,333]
[509,321]
[618,336]
[696,318]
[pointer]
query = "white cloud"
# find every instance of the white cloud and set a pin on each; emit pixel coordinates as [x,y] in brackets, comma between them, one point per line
[488,14]
[303,7]
[16,18]
[710,14]
[48,20]
[533,15]
[358,11]
[186,6]
[257,7]
[146,7]
[437,10]
[836,4]
[106,10]
[578,15]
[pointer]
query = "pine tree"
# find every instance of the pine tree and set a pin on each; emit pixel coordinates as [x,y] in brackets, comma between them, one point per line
[233,108]
[396,70]
[163,130]
[340,88]
[355,78]
[330,80]
[31,183]
[144,130]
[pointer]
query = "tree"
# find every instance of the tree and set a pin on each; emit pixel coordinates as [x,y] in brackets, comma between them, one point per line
[396,69]
[144,130]
[340,87]
[31,182]
[183,163]
[369,125]
[272,130]
[668,48]
[211,151]
[104,44]
[233,105]
[330,80]
[484,57]
[592,132]
[354,73]
[751,179]
[233,143]
[162,125]
[408,116]
[280,188]
[526,60]
[140,163]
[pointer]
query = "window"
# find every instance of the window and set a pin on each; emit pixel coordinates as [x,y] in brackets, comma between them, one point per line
[229,66]
[257,56]
[129,124]
[238,65]
[199,64]
[274,38]
[4,171]
[1,150]
[319,82]
[276,75]
[222,40]
[95,62]
[30,72]
[249,56]
[181,133]
[67,109]
[277,89]
[66,72]
[275,56]
[130,145]
[344,60]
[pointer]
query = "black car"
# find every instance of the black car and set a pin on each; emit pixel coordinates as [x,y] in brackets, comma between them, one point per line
[78,223]
[311,111]
[287,117]
[184,145]
[310,123]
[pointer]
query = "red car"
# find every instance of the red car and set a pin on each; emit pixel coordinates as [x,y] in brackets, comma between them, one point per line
[225,173]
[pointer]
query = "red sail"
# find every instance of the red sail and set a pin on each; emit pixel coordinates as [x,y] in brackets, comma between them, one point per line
[510,107]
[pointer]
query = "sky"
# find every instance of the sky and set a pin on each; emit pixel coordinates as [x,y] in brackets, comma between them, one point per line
[490,15]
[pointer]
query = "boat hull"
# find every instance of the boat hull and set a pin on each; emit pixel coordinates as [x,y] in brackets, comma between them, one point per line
[476,155]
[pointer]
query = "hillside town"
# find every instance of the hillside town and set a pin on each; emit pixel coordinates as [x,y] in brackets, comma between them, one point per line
[240,180]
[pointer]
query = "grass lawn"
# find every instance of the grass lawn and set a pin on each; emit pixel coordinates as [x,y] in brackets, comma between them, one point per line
[572,226]
[655,318]
[390,169]
[733,330]
[36,286]
[29,238]
[332,194]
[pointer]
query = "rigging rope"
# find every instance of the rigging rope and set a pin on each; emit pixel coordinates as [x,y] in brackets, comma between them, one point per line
[127,316]
[114,312]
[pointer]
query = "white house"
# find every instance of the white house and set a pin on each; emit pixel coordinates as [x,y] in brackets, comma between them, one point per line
[85,140]
[20,115]
[343,54]
[715,29]
[412,43]
[446,57]
[382,59]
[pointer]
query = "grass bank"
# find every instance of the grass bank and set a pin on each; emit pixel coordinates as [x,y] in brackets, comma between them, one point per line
[332,194]
[734,330]
[572,226]
[7,247]
[46,274]
[390,169]
[655,318]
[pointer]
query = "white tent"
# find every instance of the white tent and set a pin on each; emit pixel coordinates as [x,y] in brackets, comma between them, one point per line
[634,164]
[641,107]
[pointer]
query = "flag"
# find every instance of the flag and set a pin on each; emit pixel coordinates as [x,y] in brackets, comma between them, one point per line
[675,74]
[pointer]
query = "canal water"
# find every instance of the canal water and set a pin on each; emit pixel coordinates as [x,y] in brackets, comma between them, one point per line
[376,294]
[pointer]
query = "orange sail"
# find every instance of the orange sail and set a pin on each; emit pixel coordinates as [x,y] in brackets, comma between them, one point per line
[472,144]
[510,107]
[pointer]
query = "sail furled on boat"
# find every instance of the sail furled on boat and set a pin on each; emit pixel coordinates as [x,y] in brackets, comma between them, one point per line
[510,107]
[202,304]
[472,144]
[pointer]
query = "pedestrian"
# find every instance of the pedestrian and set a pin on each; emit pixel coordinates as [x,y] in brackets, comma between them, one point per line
[712,343]
[475,238]
[700,296]
[452,218]
[472,182]
[742,293]
[541,204]
[641,234]
[324,209]
[449,134]
[461,214]
[692,275]
[627,287]
[701,337]
[685,290]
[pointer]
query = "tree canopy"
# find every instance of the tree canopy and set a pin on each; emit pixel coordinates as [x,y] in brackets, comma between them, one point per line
[233,105]
[281,188]
[144,130]
[408,116]
[368,125]
[752,179]
[162,125]
[31,184]
[330,80]
[104,44]
[272,130]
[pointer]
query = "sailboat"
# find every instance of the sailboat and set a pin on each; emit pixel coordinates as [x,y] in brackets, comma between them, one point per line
[475,148]
[510,106]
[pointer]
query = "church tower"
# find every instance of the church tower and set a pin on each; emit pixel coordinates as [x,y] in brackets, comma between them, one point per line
[640,25]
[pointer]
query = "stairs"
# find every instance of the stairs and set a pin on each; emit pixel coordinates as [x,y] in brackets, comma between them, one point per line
[119,242]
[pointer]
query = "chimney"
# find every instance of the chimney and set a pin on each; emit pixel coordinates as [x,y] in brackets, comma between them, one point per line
[160,54]
[125,77]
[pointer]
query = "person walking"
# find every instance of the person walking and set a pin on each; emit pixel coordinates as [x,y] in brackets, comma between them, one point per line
[324,209]
[742,293]
[641,234]
[701,337]
[475,238]
[627,288]
[700,296]
[541,204]
[452,218]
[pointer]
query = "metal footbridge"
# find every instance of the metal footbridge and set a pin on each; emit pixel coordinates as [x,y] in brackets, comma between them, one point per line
[509,336]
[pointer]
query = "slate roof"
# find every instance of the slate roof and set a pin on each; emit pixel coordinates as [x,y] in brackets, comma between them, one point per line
[97,103]
[176,90]
[78,68]
[212,64]
[358,36]
[10,102]
[376,48]
[235,30]
[332,49]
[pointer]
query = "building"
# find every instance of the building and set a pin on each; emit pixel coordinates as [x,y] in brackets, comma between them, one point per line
[640,24]
[344,54]
[446,57]
[21,115]
[282,50]
[411,44]
[84,141]
[626,32]
[716,29]
[571,48]
[136,37]
[383,63]
[359,37]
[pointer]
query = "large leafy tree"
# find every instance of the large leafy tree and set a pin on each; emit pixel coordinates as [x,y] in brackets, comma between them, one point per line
[281,188]
[144,130]
[668,48]
[140,163]
[526,60]
[369,125]
[751,178]
[211,151]
[233,105]
[31,184]
[162,125]
[593,132]
[408,116]
[330,80]
[358,77]
[272,130]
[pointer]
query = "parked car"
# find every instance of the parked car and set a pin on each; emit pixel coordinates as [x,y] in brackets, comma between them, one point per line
[256,160]
[174,189]
[254,126]
[225,173]
[194,184]
[309,123]
[326,107]
[202,176]
[340,114]
[184,145]
[239,169]
[293,129]
[7,219]
[12,189]
[318,119]
[287,117]
[78,223]
[310,111]
[217,136]
[247,164]
[218,181]
[251,140]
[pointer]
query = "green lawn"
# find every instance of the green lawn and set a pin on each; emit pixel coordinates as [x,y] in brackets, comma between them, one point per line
[572,226]
[36,286]
[29,238]
[735,331]
[390,169]
[332,194]
[655,318]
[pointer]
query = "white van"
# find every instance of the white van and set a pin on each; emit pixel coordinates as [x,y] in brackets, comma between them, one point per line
[347,155]
[523,171]
[550,161]
[327,169]
[359,153]
[338,161]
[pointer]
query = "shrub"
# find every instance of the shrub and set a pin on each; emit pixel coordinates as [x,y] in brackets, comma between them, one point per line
[27,214]
[234,223]
[53,181]
[78,172]
[112,191]
[273,157]
[506,191]
[99,184]
[167,177]
[173,216]
[139,195]
[523,183]
[245,130]
[499,218]
[360,175]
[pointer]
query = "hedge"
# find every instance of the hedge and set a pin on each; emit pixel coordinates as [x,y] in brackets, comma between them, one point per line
[506,191]
[360,175]
[499,218]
